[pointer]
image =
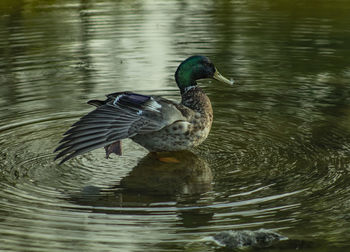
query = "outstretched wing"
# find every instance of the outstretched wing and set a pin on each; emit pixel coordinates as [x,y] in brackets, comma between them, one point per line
[121,116]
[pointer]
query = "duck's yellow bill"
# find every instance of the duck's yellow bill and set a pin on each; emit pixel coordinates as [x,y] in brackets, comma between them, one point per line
[219,77]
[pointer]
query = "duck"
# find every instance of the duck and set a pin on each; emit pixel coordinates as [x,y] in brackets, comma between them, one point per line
[156,123]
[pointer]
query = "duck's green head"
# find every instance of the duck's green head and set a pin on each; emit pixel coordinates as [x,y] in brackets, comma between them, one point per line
[195,68]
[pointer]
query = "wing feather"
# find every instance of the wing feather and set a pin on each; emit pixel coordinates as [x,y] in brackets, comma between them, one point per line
[84,150]
[121,116]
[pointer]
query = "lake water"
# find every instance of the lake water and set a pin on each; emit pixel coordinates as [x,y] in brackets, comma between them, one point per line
[277,157]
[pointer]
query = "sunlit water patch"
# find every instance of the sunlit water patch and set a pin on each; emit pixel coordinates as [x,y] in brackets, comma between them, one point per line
[277,157]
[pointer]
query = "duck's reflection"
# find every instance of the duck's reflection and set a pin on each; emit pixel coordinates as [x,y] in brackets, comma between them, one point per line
[183,179]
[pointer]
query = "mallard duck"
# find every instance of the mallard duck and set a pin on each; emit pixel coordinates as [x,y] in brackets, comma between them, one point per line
[153,122]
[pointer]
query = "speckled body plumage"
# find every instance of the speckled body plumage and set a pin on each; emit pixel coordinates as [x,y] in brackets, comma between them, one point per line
[182,135]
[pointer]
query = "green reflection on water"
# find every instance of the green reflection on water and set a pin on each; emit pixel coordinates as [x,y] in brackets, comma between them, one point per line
[279,148]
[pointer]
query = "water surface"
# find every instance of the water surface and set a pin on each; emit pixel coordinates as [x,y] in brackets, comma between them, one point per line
[277,156]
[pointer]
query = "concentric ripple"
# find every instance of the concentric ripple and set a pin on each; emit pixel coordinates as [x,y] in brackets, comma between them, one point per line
[277,156]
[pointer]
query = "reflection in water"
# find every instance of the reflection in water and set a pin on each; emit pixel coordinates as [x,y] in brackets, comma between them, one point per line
[153,181]
[278,150]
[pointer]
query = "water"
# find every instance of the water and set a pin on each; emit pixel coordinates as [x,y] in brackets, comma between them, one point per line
[277,157]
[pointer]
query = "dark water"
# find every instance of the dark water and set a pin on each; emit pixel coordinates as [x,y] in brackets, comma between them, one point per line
[278,155]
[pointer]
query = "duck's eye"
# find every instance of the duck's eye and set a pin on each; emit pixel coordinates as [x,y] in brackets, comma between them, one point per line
[208,64]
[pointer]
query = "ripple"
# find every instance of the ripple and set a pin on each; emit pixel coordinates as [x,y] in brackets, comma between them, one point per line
[277,156]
